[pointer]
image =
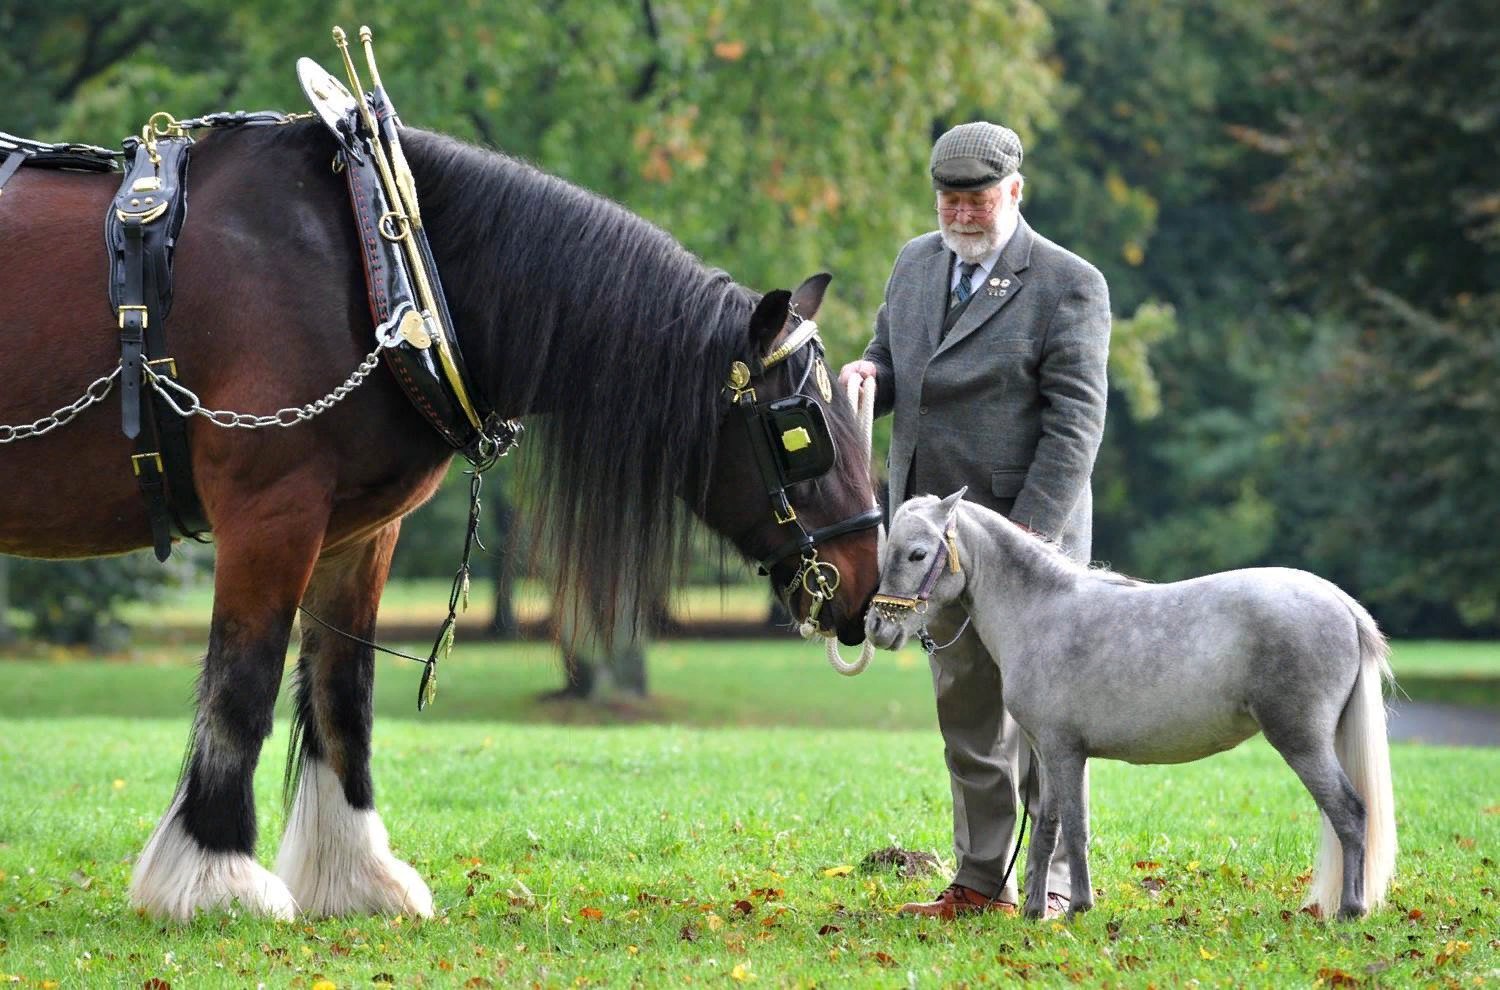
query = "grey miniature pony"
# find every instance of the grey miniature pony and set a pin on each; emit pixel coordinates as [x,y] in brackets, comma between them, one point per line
[1097,664]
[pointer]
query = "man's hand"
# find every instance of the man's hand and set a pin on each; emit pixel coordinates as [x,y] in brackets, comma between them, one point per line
[856,369]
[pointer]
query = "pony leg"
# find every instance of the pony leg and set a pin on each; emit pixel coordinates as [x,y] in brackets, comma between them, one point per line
[1070,794]
[202,854]
[1339,876]
[1045,822]
[335,854]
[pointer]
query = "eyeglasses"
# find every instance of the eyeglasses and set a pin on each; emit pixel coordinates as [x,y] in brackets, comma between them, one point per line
[976,212]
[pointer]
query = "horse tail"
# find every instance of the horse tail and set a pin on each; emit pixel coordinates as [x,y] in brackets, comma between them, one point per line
[1364,752]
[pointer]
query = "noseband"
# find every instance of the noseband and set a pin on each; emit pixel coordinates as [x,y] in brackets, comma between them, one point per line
[792,443]
[895,607]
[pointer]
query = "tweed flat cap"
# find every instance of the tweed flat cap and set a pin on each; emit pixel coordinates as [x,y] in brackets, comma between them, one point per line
[974,156]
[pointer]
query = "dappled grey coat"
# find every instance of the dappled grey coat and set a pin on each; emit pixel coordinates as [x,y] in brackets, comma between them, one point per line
[1012,402]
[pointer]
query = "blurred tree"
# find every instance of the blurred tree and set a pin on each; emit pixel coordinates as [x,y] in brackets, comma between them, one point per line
[1145,176]
[74,603]
[1392,203]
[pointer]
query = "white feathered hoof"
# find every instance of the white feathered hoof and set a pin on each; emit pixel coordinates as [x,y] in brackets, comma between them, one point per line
[175,878]
[337,860]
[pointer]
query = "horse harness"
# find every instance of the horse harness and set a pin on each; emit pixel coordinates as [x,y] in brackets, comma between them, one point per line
[791,443]
[413,327]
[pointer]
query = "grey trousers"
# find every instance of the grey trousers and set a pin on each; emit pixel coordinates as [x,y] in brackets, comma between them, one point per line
[987,755]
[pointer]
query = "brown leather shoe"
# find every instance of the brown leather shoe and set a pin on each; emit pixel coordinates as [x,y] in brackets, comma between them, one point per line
[956,899]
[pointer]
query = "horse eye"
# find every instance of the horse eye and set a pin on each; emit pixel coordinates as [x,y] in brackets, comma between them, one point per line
[918,554]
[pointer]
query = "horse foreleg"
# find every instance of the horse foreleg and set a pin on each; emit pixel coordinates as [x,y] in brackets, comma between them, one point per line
[335,854]
[202,854]
[1070,792]
[1045,823]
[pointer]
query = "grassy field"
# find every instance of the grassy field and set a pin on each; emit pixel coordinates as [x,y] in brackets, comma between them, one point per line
[712,836]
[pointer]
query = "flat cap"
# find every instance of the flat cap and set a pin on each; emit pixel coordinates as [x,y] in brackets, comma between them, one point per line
[974,156]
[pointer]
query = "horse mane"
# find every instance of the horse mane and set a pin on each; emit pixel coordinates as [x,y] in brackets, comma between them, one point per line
[570,305]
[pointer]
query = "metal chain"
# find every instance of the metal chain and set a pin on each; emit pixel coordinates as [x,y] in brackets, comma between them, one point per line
[95,393]
[191,405]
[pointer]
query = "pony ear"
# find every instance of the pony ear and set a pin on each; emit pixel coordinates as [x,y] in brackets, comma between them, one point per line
[768,319]
[809,295]
[949,505]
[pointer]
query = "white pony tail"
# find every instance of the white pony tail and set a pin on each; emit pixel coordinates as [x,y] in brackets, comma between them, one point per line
[1364,753]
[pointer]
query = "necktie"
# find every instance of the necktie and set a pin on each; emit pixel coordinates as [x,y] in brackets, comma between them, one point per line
[963,290]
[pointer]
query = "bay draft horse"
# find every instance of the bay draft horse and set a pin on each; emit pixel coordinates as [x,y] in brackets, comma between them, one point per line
[567,306]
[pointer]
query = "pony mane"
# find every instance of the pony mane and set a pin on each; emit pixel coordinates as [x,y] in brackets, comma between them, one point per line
[1054,559]
[572,306]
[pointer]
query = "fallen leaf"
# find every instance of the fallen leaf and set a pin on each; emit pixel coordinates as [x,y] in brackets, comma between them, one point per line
[838,871]
[744,907]
[829,930]
[1415,914]
[688,933]
[1451,951]
[1153,884]
[591,913]
[1493,809]
[741,973]
[730,51]
[884,958]
[383,979]
[1464,841]
[1147,864]
[152,984]
[1336,977]
[1205,954]
[1131,962]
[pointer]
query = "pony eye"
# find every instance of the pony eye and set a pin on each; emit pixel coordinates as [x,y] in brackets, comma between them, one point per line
[918,554]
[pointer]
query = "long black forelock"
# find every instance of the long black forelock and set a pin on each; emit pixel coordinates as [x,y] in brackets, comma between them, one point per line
[574,305]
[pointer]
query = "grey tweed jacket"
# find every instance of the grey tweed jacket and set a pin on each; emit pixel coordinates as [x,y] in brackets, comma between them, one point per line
[1011,403]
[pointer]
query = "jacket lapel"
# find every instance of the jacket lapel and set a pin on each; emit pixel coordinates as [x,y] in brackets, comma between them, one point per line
[933,280]
[990,299]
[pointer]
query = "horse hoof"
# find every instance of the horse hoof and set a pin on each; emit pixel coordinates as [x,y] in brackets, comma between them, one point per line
[1351,912]
[337,860]
[175,878]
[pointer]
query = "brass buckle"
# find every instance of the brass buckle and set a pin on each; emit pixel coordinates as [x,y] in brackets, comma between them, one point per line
[155,455]
[171,364]
[791,515]
[145,315]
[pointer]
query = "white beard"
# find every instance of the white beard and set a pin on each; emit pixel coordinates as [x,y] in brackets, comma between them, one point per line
[973,242]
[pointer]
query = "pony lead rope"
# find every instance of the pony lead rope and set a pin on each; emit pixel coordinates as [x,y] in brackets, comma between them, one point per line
[861,393]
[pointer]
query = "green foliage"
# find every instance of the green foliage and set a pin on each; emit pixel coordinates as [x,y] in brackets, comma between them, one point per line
[1390,196]
[74,603]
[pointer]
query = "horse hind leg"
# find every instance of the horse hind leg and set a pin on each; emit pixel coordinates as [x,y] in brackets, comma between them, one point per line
[1338,883]
[202,853]
[335,854]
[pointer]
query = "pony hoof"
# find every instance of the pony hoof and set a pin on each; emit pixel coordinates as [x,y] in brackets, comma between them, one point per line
[1351,912]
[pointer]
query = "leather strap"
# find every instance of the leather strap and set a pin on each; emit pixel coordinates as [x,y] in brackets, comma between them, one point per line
[868,519]
[13,161]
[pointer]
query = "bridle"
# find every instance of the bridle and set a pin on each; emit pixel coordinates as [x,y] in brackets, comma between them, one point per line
[894,608]
[791,443]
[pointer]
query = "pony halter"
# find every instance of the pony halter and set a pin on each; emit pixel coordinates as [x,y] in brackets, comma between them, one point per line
[895,607]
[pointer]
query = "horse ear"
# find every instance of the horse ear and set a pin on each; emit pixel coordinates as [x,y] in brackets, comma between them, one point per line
[949,505]
[769,318]
[809,295]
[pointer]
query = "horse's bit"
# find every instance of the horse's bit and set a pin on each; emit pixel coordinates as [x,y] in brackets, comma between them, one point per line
[791,443]
[895,607]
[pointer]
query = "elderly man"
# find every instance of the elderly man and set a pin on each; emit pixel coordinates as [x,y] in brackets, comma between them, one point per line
[991,349]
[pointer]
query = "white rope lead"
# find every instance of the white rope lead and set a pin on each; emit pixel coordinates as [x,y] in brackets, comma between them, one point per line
[862,397]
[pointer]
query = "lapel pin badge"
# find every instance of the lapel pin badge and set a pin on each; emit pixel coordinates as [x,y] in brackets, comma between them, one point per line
[994,289]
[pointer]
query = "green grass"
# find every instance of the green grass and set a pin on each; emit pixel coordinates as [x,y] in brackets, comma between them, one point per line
[632,836]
